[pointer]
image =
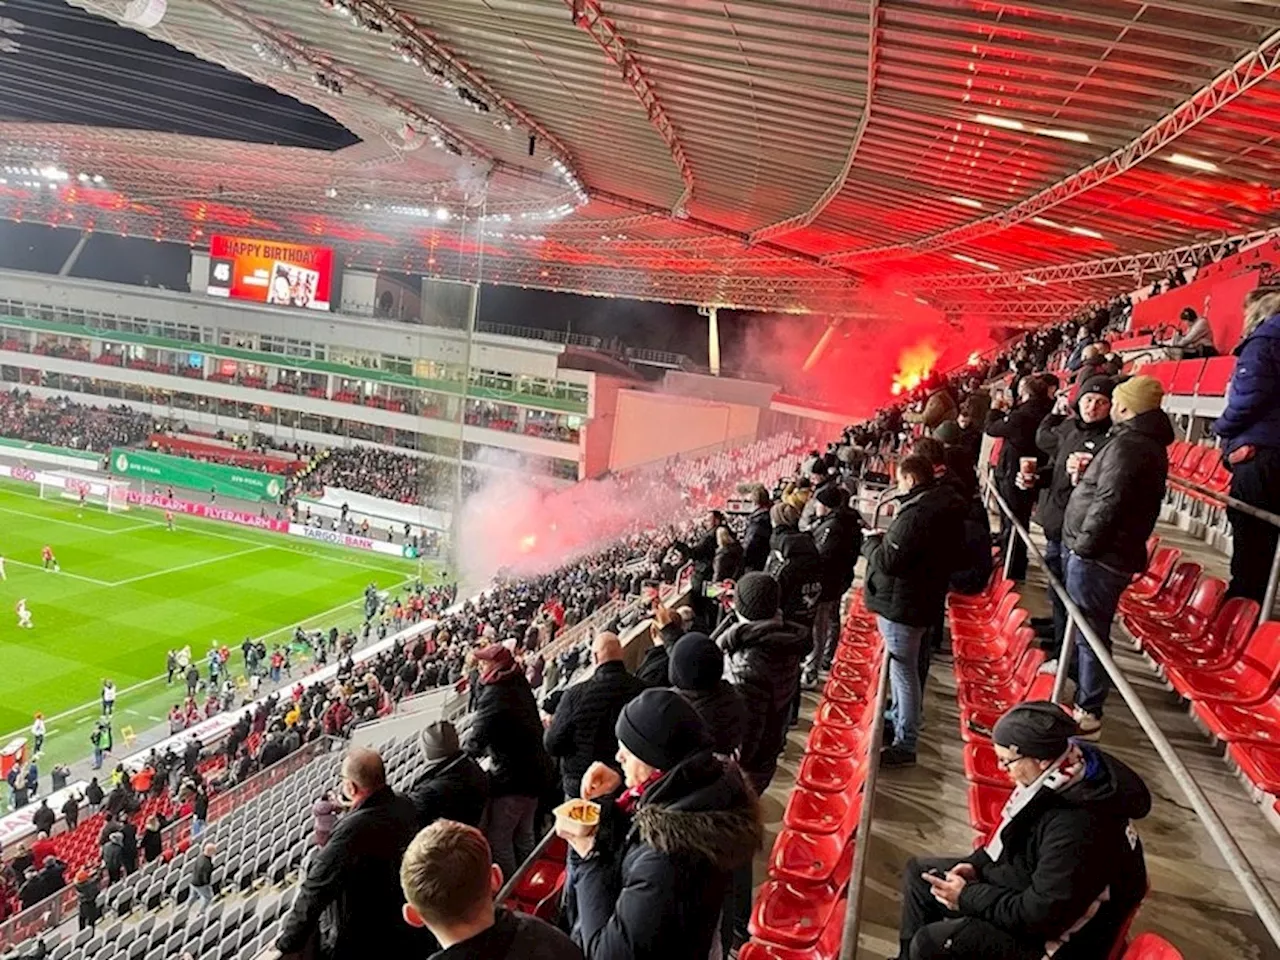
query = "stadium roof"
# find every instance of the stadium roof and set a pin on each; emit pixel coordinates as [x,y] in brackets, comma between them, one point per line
[1010,158]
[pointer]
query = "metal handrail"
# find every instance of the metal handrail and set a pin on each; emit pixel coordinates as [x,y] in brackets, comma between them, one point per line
[1253,886]
[862,836]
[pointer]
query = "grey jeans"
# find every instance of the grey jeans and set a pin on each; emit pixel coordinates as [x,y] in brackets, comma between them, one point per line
[508,826]
[826,635]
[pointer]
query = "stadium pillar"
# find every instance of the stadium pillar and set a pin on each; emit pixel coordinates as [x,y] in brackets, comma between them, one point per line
[713,339]
[74,255]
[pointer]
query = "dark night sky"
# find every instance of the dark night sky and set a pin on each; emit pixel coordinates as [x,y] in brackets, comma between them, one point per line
[73,67]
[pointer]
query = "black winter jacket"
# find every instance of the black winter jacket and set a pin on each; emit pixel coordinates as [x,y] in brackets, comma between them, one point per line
[202,871]
[654,668]
[909,568]
[514,936]
[506,728]
[727,564]
[1018,430]
[1114,508]
[351,896]
[763,659]
[973,564]
[838,539]
[1060,853]
[755,540]
[724,712]
[795,564]
[581,731]
[1059,437]
[456,788]
[655,884]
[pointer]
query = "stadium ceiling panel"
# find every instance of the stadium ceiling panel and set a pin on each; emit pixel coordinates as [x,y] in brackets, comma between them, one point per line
[769,154]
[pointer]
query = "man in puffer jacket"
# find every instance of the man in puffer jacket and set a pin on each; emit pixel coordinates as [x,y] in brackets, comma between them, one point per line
[908,570]
[1062,872]
[763,656]
[673,828]
[795,564]
[1109,517]
[1073,433]
[1250,432]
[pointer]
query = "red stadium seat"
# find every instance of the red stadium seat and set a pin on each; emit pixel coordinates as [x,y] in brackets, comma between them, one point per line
[1191,622]
[1249,680]
[842,714]
[1185,377]
[1259,723]
[1260,763]
[811,811]
[1149,946]
[792,915]
[826,948]
[831,774]
[997,673]
[810,859]
[1150,582]
[988,622]
[982,766]
[1173,596]
[992,644]
[840,742]
[986,803]
[1223,642]
[1216,376]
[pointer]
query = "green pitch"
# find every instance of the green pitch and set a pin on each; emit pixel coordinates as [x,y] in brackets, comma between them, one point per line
[130,589]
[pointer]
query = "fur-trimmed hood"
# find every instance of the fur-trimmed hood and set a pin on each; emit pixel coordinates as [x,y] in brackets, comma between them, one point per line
[702,809]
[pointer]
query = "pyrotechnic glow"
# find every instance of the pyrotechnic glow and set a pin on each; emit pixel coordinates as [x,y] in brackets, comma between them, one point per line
[975,358]
[528,543]
[915,363]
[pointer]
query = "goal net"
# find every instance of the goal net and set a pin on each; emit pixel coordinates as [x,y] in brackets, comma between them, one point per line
[100,491]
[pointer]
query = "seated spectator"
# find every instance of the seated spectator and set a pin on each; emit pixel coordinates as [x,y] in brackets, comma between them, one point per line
[1062,871]
[673,827]
[351,895]
[1196,342]
[453,786]
[450,884]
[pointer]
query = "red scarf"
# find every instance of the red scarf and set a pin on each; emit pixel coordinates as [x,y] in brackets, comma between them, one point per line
[631,796]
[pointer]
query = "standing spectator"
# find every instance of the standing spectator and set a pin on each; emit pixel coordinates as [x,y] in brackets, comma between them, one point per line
[71,812]
[581,732]
[324,817]
[151,844]
[794,563]
[1250,432]
[113,856]
[727,563]
[697,674]
[755,539]
[96,742]
[37,733]
[450,883]
[764,654]
[88,885]
[1109,517]
[202,876]
[506,728]
[193,679]
[1018,431]
[170,666]
[108,697]
[1066,438]
[351,896]
[665,629]
[453,786]
[838,538]
[93,795]
[43,819]
[908,571]
[655,876]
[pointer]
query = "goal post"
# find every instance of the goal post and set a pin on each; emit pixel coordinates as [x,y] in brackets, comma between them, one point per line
[100,491]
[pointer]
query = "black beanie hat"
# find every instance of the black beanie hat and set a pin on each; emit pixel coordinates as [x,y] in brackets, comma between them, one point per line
[1037,729]
[661,728]
[830,496]
[696,663]
[1102,385]
[756,596]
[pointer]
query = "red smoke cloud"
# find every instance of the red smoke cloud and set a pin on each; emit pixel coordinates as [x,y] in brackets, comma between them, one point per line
[892,338]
